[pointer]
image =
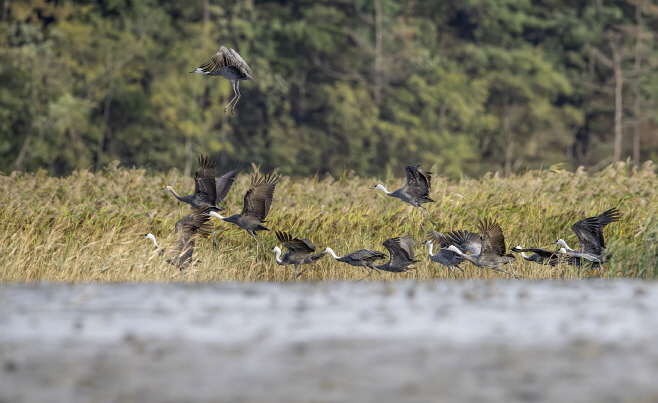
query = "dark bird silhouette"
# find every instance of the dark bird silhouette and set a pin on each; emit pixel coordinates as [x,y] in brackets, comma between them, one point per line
[300,252]
[415,191]
[257,202]
[544,256]
[401,251]
[444,256]
[488,249]
[205,191]
[188,229]
[230,65]
[361,258]
[590,235]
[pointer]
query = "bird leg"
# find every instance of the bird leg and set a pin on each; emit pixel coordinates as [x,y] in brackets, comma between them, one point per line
[235,96]
[253,235]
[452,271]
[214,241]
[369,273]
[428,215]
[505,271]
[304,272]
[261,241]
[237,87]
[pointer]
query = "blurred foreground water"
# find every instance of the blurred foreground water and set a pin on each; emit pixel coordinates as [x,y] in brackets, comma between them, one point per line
[582,341]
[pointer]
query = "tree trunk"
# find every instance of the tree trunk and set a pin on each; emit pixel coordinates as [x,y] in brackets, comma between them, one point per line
[636,84]
[188,157]
[377,90]
[619,80]
[509,139]
[106,117]
[5,10]
[18,163]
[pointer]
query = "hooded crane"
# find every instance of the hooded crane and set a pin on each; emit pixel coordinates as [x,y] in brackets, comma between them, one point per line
[488,248]
[444,257]
[188,229]
[205,191]
[415,191]
[401,250]
[365,258]
[590,235]
[230,65]
[300,251]
[257,202]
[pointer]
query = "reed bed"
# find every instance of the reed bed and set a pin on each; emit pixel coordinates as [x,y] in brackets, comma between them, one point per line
[89,226]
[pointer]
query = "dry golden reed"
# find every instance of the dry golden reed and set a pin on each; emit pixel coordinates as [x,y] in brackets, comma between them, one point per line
[89,227]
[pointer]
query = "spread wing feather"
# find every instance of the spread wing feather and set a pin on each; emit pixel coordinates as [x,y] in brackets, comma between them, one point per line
[223,184]
[258,199]
[226,58]
[419,182]
[493,241]
[204,180]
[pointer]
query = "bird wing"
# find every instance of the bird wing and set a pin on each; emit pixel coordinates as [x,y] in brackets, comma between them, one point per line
[236,60]
[226,58]
[493,240]
[605,218]
[366,255]
[438,238]
[194,225]
[465,241]
[204,180]
[302,246]
[223,184]
[258,199]
[401,250]
[590,231]
[418,181]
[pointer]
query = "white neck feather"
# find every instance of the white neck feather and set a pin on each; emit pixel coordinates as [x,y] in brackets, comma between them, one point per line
[523,255]
[277,251]
[152,237]
[331,252]
[563,243]
[430,245]
[216,215]
[382,188]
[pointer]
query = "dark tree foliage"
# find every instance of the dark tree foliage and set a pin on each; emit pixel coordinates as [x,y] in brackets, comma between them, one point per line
[368,85]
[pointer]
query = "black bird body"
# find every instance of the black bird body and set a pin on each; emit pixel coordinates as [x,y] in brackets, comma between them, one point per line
[402,257]
[543,256]
[188,229]
[205,190]
[487,249]
[230,65]
[365,258]
[444,256]
[299,251]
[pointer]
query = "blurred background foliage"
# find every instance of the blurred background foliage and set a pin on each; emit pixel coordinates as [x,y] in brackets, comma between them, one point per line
[368,85]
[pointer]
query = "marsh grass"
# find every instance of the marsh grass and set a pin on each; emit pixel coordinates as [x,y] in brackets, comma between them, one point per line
[90,227]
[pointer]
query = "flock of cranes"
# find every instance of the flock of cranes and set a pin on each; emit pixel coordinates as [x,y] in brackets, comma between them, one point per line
[485,249]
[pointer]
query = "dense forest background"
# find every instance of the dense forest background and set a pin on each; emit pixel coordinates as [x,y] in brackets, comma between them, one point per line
[368,85]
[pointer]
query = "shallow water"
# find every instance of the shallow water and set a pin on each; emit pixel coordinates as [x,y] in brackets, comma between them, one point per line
[581,341]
